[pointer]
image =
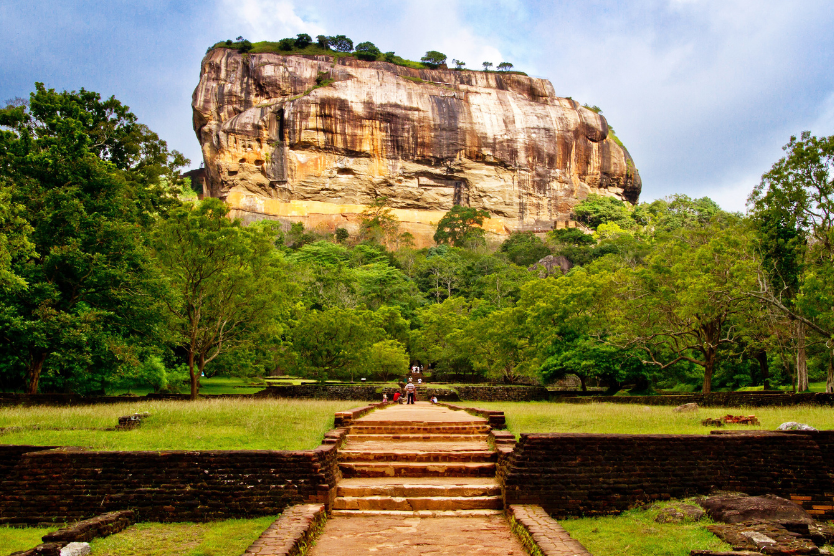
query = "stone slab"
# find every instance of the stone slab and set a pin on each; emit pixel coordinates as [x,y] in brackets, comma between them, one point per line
[488,535]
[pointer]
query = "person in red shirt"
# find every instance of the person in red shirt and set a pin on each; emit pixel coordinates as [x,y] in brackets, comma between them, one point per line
[396,397]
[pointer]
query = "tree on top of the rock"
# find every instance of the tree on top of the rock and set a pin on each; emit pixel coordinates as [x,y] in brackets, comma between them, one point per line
[367,51]
[487,65]
[461,226]
[341,43]
[459,64]
[433,58]
[505,66]
[303,40]
[323,41]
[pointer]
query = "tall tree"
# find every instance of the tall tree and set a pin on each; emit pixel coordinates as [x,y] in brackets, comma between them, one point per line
[226,281]
[88,177]
[682,306]
[793,208]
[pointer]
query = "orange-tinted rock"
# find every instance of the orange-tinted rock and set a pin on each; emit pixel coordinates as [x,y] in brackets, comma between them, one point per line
[275,145]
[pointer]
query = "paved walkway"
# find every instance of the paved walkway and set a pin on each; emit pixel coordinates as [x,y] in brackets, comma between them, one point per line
[420,412]
[404,466]
[415,536]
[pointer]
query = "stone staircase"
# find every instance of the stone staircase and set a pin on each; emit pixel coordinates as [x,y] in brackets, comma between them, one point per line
[416,467]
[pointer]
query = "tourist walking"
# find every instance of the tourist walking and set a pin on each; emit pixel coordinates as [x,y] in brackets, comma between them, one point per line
[410,390]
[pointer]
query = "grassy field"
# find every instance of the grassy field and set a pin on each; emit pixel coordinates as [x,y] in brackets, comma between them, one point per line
[635,533]
[223,424]
[610,418]
[219,538]
[13,539]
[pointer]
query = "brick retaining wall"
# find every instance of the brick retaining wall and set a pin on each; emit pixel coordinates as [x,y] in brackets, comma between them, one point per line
[10,456]
[165,486]
[715,399]
[596,474]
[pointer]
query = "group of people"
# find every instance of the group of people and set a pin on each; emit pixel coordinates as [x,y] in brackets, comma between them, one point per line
[411,394]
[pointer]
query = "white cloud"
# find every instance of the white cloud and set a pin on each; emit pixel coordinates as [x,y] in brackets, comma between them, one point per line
[266,19]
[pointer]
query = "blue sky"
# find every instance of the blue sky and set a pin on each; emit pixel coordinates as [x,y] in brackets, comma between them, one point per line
[702,92]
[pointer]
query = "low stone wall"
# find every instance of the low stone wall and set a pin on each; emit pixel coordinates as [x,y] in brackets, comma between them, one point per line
[83,531]
[716,399]
[492,393]
[596,474]
[496,393]
[494,417]
[7,399]
[89,529]
[292,533]
[10,456]
[541,535]
[54,485]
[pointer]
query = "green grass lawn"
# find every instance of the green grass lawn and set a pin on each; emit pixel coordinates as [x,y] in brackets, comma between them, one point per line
[219,424]
[13,539]
[611,418]
[635,533]
[219,538]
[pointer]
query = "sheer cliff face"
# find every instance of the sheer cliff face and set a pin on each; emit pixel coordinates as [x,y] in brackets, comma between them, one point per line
[277,146]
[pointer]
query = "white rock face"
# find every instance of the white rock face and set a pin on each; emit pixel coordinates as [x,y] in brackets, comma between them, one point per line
[76,549]
[426,139]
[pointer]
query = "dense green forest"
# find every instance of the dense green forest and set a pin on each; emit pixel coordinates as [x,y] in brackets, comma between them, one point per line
[113,275]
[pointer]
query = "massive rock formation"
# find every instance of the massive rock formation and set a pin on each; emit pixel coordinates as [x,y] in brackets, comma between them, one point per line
[315,140]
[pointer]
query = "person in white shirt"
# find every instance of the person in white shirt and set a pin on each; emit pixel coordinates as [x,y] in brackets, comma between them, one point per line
[410,391]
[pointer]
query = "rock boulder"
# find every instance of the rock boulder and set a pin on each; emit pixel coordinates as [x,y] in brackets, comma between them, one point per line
[315,139]
[732,509]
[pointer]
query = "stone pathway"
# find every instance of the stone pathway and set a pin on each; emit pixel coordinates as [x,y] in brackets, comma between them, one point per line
[418,460]
[419,480]
[415,536]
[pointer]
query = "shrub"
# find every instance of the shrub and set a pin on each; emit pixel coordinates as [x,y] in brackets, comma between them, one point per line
[303,40]
[245,46]
[286,44]
[433,58]
[341,43]
[367,51]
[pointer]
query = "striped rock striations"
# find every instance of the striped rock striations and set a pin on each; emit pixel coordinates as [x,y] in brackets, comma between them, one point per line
[310,139]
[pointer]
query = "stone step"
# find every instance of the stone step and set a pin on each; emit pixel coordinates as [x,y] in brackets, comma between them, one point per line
[418,503]
[419,423]
[417,456]
[416,446]
[410,488]
[421,513]
[419,429]
[418,437]
[399,469]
